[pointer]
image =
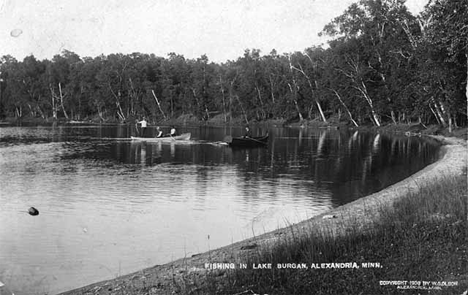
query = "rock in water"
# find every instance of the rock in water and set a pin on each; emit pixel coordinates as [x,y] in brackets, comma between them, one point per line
[33,211]
[16,32]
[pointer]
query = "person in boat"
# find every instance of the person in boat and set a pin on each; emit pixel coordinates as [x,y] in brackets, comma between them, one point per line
[159,132]
[173,131]
[143,124]
[248,133]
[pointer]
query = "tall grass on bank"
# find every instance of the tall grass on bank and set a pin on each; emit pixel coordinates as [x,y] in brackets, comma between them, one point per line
[422,237]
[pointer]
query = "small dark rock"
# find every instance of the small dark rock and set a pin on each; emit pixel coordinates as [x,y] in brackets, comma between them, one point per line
[33,211]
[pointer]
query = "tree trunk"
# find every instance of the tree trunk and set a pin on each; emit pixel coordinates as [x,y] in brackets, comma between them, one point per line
[261,103]
[231,90]
[318,104]
[196,99]
[207,113]
[294,93]
[61,101]
[319,107]
[435,115]
[298,111]
[54,105]
[360,86]
[439,113]
[345,107]
[363,89]
[392,113]
[120,112]
[40,112]
[32,110]
[159,106]
[133,98]
[19,112]
[272,91]
[242,108]
[224,98]
[450,122]
[309,113]
[117,103]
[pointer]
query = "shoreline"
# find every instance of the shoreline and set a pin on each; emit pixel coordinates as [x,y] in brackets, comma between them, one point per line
[408,129]
[166,277]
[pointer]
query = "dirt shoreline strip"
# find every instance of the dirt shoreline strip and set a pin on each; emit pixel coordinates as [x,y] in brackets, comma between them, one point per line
[164,279]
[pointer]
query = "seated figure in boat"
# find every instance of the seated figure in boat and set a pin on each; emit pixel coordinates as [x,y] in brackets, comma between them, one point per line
[159,132]
[173,132]
[248,133]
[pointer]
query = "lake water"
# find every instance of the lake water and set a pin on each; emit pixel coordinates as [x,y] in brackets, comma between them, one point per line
[109,206]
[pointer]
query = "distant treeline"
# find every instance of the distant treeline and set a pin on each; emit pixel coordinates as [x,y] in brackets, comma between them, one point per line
[383,65]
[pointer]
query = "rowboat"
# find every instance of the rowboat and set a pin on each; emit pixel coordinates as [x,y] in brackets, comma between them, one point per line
[247,141]
[183,136]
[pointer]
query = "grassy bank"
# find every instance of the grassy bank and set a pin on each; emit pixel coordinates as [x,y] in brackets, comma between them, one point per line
[421,238]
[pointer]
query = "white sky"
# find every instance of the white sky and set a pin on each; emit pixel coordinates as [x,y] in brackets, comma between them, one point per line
[221,29]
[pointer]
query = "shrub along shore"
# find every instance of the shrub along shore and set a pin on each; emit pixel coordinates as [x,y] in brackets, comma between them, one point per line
[411,236]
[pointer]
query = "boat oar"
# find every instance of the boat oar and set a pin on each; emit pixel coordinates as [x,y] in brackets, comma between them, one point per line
[259,141]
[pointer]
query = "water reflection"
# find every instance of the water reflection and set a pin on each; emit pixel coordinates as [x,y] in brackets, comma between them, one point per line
[111,206]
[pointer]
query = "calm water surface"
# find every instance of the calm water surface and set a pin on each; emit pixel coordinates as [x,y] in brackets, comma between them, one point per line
[109,206]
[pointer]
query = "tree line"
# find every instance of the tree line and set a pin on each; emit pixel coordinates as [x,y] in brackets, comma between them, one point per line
[382,65]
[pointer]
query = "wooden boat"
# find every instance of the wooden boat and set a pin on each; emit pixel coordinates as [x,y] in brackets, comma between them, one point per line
[183,136]
[247,142]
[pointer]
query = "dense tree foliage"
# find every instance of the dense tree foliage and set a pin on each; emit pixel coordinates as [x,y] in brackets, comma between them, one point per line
[383,65]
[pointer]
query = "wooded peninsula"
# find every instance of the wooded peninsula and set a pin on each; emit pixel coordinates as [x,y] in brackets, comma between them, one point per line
[383,65]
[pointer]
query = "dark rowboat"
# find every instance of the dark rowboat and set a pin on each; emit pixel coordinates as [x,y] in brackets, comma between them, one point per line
[247,142]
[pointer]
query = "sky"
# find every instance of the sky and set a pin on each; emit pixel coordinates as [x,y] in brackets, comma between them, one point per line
[221,29]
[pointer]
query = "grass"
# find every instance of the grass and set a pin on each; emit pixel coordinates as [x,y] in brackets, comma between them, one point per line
[422,238]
